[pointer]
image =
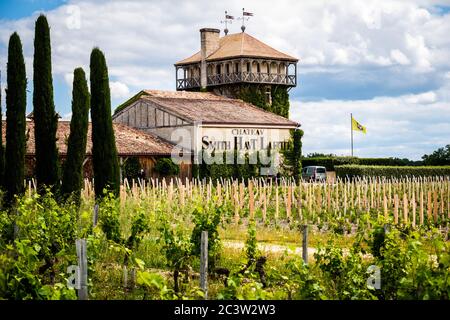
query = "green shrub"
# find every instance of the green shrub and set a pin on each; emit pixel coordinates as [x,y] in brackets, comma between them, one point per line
[131,168]
[33,265]
[331,162]
[351,171]
[166,167]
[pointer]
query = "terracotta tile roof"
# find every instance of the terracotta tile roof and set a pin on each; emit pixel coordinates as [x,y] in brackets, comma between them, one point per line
[213,109]
[184,95]
[240,45]
[129,141]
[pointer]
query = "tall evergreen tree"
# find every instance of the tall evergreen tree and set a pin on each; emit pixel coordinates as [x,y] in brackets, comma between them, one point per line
[45,117]
[2,150]
[104,152]
[72,181]
[16,100]
[297,153]
[293,154]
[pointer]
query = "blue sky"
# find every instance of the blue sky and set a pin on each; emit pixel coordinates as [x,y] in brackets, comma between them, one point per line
[387,61]
[23,8]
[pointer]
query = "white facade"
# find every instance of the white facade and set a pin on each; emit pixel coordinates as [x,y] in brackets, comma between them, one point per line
[196,136]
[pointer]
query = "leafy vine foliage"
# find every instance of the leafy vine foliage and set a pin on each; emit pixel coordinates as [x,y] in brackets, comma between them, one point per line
[33,263]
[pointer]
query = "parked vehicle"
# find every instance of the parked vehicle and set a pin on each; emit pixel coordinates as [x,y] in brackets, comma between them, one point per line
[314,173]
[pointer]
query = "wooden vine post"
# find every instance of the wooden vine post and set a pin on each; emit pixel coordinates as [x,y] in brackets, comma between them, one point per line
[421,207]
[276,204]
[251,199]
[429,205]
[288,203]
[413,201]
[204,263]
[396,208]
[405,208]
[305,243]
[83,267]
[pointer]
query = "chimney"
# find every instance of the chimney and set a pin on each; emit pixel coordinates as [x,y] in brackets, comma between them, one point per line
[209,43]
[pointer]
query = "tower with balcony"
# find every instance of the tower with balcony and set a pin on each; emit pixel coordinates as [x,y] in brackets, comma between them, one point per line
[238,66]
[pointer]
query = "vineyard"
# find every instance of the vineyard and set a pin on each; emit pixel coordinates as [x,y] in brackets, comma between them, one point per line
[267,239]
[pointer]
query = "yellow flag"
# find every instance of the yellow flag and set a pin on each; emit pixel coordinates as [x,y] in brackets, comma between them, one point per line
[358,127]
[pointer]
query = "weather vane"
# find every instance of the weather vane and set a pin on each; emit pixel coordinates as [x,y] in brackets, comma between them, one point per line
[228,19]
[245,16]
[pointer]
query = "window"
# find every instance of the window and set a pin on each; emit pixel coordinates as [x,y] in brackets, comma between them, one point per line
[218,71]
[248,66]
[320,170]
[258,68]
[228,68]
[310,170]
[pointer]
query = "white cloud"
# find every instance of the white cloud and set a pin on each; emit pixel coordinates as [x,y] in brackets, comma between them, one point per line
[155,34]
[119,90]
[399,57]
[68,77]
[422,98]
[406,126]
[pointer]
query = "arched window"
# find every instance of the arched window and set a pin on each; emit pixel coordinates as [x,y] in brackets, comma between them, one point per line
[218,69]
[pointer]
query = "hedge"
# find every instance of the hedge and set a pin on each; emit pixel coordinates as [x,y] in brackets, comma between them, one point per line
[166,167]
[331,162]
[351,171]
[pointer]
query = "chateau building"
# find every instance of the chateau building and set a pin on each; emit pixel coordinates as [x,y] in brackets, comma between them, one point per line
[226,64]
[205,112]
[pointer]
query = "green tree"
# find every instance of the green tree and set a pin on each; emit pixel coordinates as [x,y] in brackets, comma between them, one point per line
[2,150]
[16,100]
[45,117]
[440,157]
[293,154]
[73,168]
[104,152]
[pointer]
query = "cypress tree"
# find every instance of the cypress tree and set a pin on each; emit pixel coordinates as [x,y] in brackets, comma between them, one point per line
[2,150]
[297,153]
[16,100]
[104,152]
[72,181]
[293,154]
[45,117]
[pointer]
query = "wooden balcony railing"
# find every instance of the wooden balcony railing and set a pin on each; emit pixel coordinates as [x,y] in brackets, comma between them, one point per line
[188,83]
[236,77]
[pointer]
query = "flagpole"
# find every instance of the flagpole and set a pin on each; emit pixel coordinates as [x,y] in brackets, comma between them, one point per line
[351,129]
